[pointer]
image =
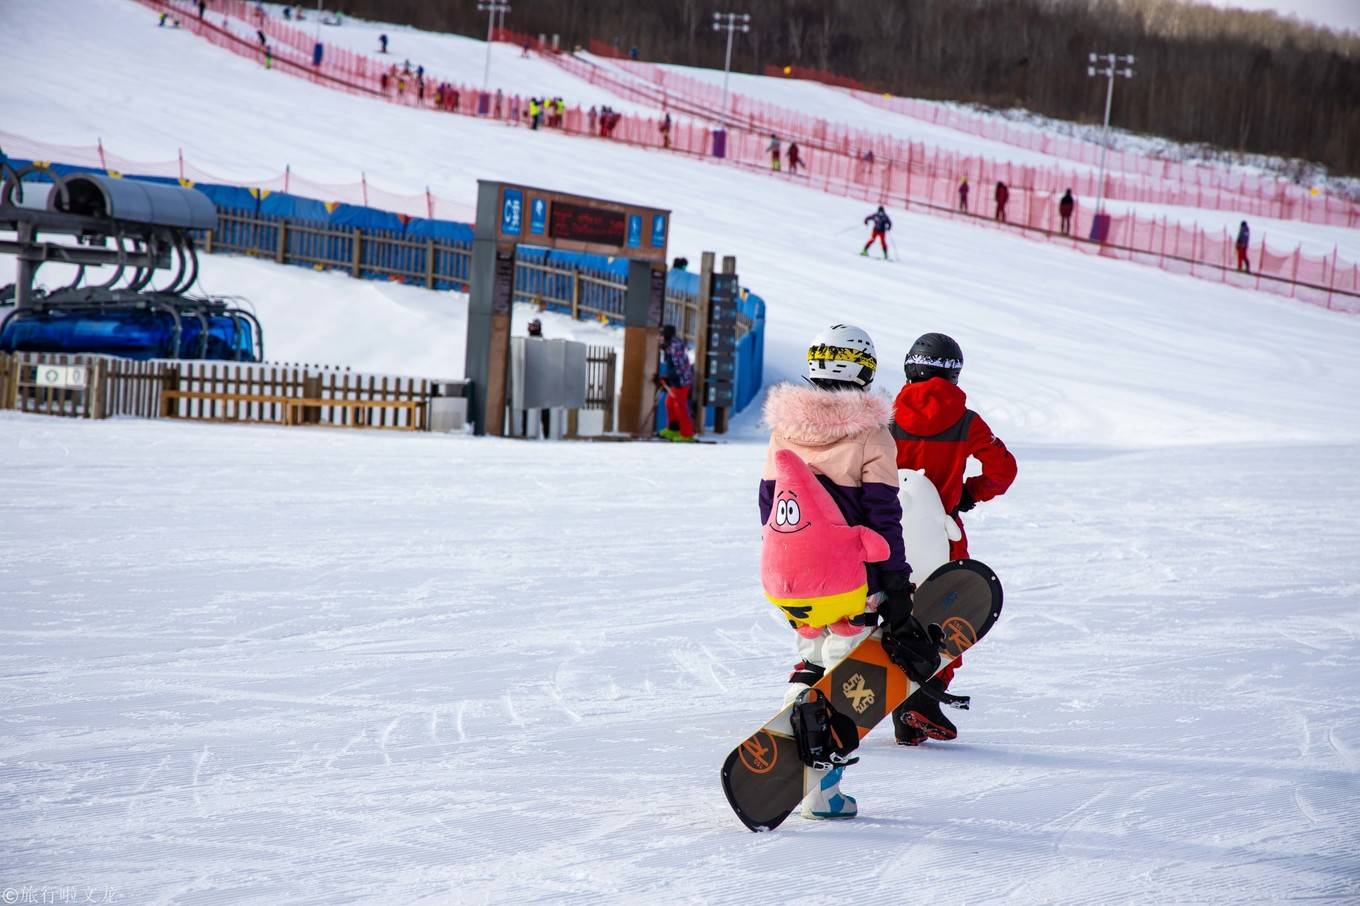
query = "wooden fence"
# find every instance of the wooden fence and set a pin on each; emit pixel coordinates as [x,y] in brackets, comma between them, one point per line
[246,392]
[601,379]
[216,391]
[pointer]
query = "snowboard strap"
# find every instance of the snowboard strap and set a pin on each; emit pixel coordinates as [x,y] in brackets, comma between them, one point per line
[913,647]
[823,736]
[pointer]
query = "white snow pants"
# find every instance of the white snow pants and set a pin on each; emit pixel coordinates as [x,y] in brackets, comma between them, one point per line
[826,647]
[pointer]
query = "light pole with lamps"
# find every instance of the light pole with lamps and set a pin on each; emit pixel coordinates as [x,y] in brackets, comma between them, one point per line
[492,6]
[1107,65]
[730,23]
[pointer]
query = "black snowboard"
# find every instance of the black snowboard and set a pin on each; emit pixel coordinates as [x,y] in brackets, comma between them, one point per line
[763,778]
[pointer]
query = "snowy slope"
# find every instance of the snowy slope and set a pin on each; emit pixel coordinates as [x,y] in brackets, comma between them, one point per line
[362,668]
[1018,307]
[463,61]
[361,678]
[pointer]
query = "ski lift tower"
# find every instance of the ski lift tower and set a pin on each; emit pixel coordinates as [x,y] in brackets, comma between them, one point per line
[510,215]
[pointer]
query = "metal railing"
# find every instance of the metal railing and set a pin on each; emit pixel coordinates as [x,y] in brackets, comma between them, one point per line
[579,290]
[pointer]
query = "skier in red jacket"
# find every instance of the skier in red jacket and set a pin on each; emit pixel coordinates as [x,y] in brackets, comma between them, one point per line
[934,430]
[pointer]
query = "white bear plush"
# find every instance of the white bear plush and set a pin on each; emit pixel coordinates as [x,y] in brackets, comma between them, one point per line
[926,528]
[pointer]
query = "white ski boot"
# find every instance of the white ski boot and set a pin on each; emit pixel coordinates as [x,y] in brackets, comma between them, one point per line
[826,799]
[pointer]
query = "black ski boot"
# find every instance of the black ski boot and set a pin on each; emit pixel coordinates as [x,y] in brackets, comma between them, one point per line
[922,712]
[906,734]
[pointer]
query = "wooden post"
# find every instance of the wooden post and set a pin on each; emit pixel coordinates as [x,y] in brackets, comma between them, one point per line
[429,264]
[97,374]
[6,365]
[701,341]
[169,406]
[576,294]
[282,245]
[311,389]
[729,266]
[357,256]
[208,242]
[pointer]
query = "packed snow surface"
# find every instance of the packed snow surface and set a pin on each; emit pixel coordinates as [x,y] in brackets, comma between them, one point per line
[307,666]
[262,665]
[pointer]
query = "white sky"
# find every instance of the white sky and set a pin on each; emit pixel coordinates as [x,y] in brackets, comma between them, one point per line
[1338,14]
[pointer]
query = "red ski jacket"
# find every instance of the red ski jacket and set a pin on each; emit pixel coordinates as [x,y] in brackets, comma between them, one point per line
[935,431]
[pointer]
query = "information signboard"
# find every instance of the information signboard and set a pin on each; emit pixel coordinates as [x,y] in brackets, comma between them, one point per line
[538,216]
[512,212]
[580,223]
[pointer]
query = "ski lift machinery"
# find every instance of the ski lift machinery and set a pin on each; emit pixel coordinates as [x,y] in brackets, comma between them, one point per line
[135,228]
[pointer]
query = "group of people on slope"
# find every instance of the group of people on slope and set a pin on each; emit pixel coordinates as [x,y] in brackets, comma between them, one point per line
[1067,205]
[794,155]
[603,121]
[855,441]
[1002,195]
[550,112]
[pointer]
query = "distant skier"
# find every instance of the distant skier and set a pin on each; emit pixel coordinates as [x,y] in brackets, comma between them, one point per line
[963,195]
[665,128]
[773,149]
[1002,195]
[794,159]
[882,223]
[934,430]
[1243,241]
[382,42]
[1065,206]
[836,427]
[678,381]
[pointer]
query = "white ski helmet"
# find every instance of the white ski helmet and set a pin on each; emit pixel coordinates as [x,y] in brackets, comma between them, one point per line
[842,354]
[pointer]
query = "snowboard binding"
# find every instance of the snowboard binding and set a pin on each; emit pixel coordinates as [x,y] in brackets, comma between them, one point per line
[913,647]
[823,736]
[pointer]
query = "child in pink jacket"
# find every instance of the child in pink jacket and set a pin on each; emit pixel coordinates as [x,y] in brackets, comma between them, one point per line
[840,430]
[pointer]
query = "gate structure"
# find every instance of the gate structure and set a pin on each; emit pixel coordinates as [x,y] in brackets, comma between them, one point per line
[510,215]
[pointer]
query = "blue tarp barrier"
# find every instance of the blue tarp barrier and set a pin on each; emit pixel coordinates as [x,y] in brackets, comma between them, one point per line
[128,334]
[420,228]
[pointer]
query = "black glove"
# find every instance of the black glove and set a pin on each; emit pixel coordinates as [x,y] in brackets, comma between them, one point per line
[966,502]
[899,590]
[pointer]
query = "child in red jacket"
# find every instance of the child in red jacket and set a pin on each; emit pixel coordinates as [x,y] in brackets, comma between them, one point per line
[934,430]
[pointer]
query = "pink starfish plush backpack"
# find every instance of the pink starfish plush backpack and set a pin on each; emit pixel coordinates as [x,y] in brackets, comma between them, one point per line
[811,560]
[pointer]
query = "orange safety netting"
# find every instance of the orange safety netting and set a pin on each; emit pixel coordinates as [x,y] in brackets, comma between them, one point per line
[835,159]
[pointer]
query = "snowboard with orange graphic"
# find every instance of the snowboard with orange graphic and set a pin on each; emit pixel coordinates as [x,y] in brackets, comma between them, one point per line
[763,778]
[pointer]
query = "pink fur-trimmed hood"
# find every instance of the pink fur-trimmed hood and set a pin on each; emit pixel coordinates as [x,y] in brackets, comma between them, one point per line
[808,415]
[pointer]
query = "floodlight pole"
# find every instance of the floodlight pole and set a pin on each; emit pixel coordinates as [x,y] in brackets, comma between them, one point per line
[493,7]
[1111,63]
[731,23]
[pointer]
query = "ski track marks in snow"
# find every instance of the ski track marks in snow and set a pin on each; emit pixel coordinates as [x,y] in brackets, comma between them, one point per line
[338,732]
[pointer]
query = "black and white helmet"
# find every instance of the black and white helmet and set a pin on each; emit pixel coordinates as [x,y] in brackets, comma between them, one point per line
[841,355]
[934,355]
